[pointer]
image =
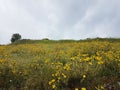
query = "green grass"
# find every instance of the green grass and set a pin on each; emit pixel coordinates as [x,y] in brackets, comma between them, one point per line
[60,64]
[47,41]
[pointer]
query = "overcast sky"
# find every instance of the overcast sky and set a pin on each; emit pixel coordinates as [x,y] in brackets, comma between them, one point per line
[59,19]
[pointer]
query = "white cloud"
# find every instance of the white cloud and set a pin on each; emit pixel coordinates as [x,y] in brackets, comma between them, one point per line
[59,19]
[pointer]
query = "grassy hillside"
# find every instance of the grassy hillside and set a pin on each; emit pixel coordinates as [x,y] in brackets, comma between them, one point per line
[47,41]
[92,64]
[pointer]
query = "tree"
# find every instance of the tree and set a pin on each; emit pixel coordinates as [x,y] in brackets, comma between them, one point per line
[15,37]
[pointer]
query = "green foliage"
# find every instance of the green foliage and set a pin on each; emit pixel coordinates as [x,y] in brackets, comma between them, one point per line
[48,41]
[15,37]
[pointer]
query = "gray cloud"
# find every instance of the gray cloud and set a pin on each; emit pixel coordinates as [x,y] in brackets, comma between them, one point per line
[59,19]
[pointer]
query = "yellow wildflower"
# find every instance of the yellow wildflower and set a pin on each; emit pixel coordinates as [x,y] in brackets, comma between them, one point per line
[64,75]
[98,58]
[84,76]
[53,75]
[90,63]
[100,62]
[53,86]
[52,81]
[83,88]
[87,59]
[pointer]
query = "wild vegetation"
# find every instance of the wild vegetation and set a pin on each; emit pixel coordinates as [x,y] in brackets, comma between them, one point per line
[15,37]
[60,65]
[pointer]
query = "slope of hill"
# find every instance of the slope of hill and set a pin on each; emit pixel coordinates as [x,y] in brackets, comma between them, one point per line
[29,41]
[92,64]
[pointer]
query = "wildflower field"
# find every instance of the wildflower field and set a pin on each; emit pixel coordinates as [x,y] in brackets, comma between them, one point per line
[86,65]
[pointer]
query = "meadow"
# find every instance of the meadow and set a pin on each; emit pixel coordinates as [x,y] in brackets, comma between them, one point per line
[60,65]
